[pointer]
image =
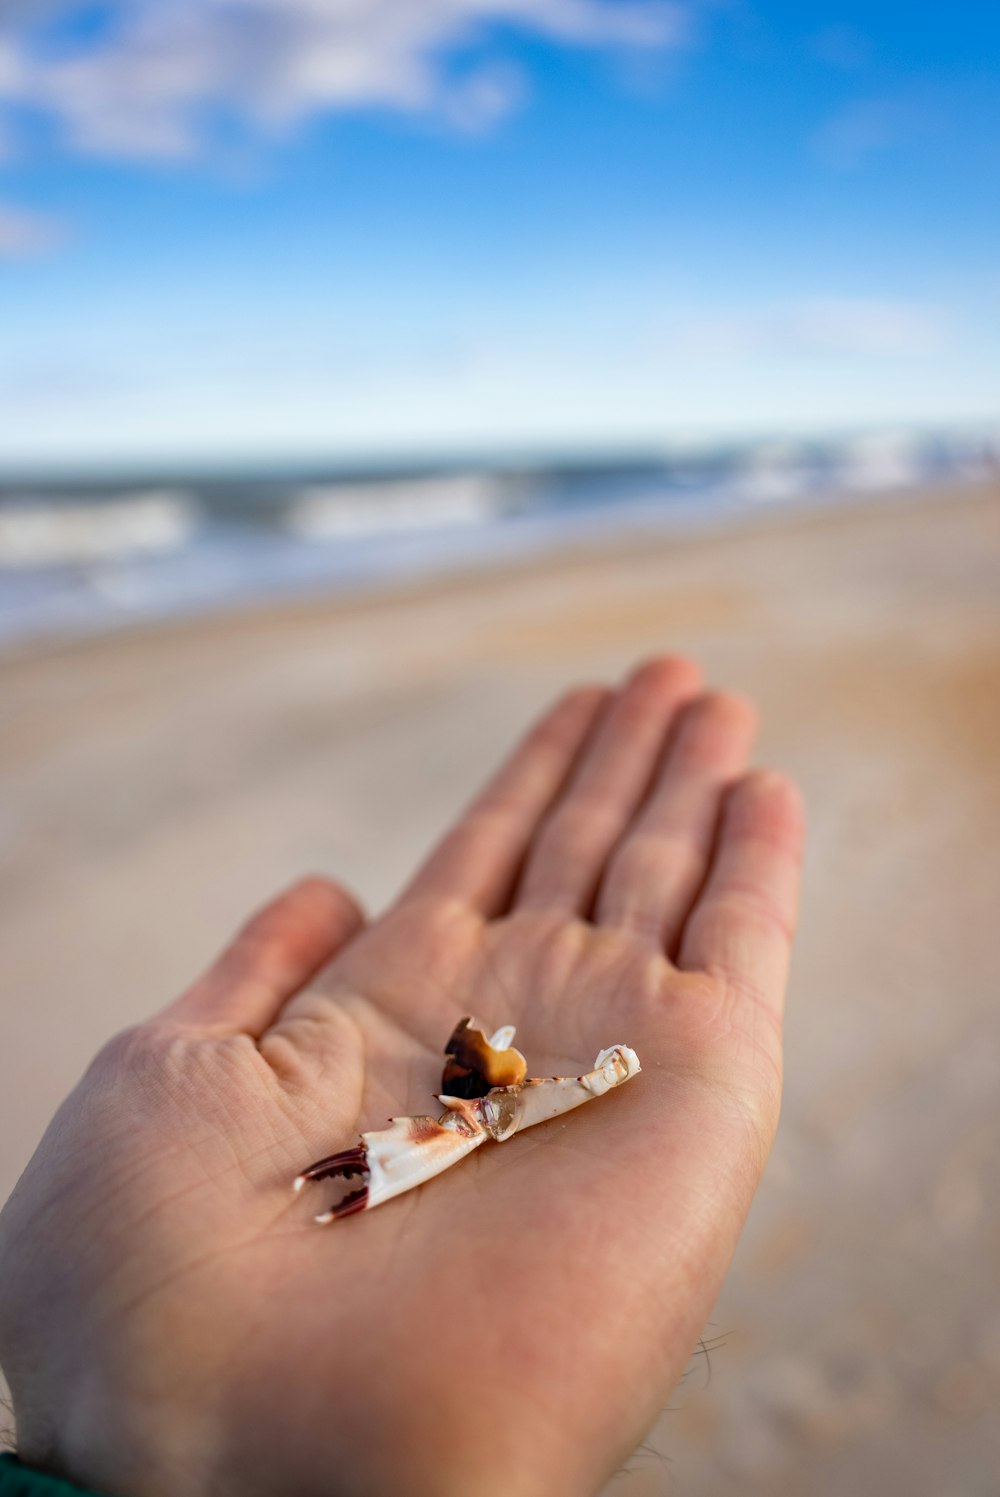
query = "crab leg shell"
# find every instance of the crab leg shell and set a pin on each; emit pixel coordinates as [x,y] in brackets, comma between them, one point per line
[540,1100]
[412,1150]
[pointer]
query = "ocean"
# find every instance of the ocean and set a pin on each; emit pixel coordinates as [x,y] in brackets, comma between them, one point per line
[87,556]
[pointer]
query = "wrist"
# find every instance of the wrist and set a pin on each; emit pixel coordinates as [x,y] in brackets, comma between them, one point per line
[17,1479]
[117,1454]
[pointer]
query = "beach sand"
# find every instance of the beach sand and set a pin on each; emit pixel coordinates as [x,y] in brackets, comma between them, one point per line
[157,784]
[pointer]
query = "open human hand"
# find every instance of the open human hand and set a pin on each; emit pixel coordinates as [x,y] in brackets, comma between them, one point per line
[173,1323]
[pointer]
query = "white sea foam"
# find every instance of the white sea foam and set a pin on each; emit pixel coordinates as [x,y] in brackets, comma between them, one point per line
[883,460]
[40,533]
[774,472]
[334,512]
[72,561]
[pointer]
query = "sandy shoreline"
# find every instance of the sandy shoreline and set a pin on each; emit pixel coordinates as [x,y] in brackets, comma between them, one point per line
[155,784]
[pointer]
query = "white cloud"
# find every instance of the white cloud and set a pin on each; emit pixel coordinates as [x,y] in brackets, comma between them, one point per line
[153,80]
[823,326]
[867,127]
[170,391]
[24,233]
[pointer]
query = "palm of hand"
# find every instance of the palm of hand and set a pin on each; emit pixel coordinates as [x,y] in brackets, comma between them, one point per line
[522,1317]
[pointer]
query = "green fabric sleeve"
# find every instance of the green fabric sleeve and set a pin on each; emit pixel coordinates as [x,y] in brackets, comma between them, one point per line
[21,1481]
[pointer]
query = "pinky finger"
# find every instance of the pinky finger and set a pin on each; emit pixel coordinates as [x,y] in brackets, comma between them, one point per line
[743,923]
[275,954]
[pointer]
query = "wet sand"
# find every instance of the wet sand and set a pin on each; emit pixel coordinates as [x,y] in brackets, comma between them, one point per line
[155,785]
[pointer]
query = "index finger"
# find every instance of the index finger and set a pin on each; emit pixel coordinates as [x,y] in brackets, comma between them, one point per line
[478,861]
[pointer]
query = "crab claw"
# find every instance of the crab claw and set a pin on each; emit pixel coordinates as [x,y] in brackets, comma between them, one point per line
[346,1165]
[408,1152]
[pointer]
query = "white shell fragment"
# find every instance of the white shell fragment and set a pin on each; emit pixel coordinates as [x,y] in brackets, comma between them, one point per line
[494,1101]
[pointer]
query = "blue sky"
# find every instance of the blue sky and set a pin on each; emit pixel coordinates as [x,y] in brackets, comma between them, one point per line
[243,230]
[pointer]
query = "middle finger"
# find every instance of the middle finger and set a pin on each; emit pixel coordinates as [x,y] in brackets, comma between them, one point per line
[565,864]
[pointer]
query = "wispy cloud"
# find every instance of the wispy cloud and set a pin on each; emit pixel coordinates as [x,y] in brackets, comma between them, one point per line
[842,47]
[25,233]
[867,127]
[156,76]
[823,326]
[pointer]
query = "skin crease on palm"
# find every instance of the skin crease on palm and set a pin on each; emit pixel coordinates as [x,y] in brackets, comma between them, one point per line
[171,1319]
